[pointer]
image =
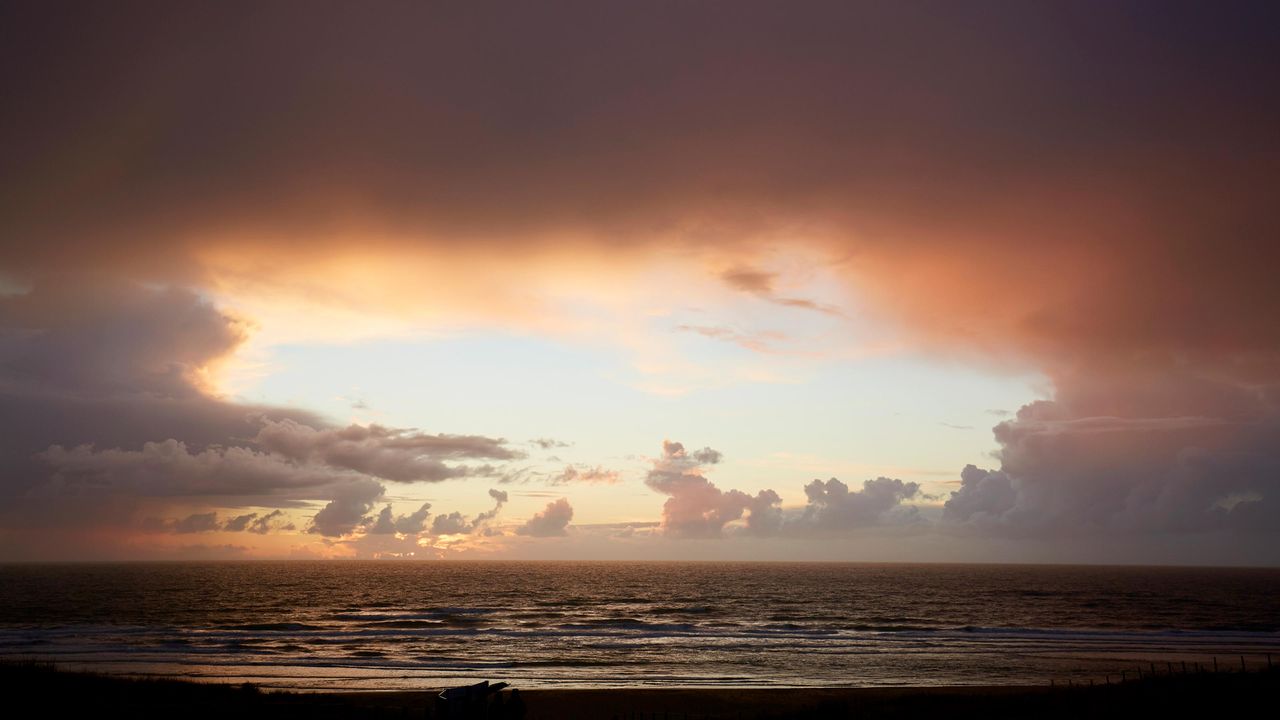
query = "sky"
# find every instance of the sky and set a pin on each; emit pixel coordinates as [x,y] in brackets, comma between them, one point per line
[917,281]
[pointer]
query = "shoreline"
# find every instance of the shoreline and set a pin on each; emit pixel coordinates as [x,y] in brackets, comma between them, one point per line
[1195,695]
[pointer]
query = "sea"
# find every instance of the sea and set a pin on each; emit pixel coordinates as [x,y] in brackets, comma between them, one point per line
[349,625]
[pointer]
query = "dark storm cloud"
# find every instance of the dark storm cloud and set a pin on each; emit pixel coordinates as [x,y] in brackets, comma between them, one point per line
[185,122]
[96,339]
[87,363]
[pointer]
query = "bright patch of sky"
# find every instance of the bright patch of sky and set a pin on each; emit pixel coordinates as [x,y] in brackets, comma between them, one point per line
[780,424]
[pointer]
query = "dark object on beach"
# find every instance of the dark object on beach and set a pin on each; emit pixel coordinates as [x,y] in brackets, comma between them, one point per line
[471,701]
[515,706]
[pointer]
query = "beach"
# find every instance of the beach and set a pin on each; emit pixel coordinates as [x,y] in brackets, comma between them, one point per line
[1193,695]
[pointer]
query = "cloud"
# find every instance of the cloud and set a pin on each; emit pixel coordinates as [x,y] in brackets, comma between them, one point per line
[198,522]
[92,372]
[455,523]
[584,474]
[984,495]
[699,509]
[500,499]
[1066,471]
[763,341]
[696,507]
[96,338]
[398,455]
[239,523]
[293,457]
[761,284]
[387,524]
[833,508]
[97,361]
[346,511]
[89,362]
[208,522]
[259,524]
[553,521]
[171,469]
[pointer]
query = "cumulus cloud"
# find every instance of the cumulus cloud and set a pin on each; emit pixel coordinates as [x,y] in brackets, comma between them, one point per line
[696,507]
[983,495]
[455,523]
[346,511]
[387,523]
[552,521]
[1065,470]
[833,508]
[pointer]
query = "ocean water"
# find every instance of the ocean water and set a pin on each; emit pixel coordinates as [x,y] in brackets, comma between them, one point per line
[385,625]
